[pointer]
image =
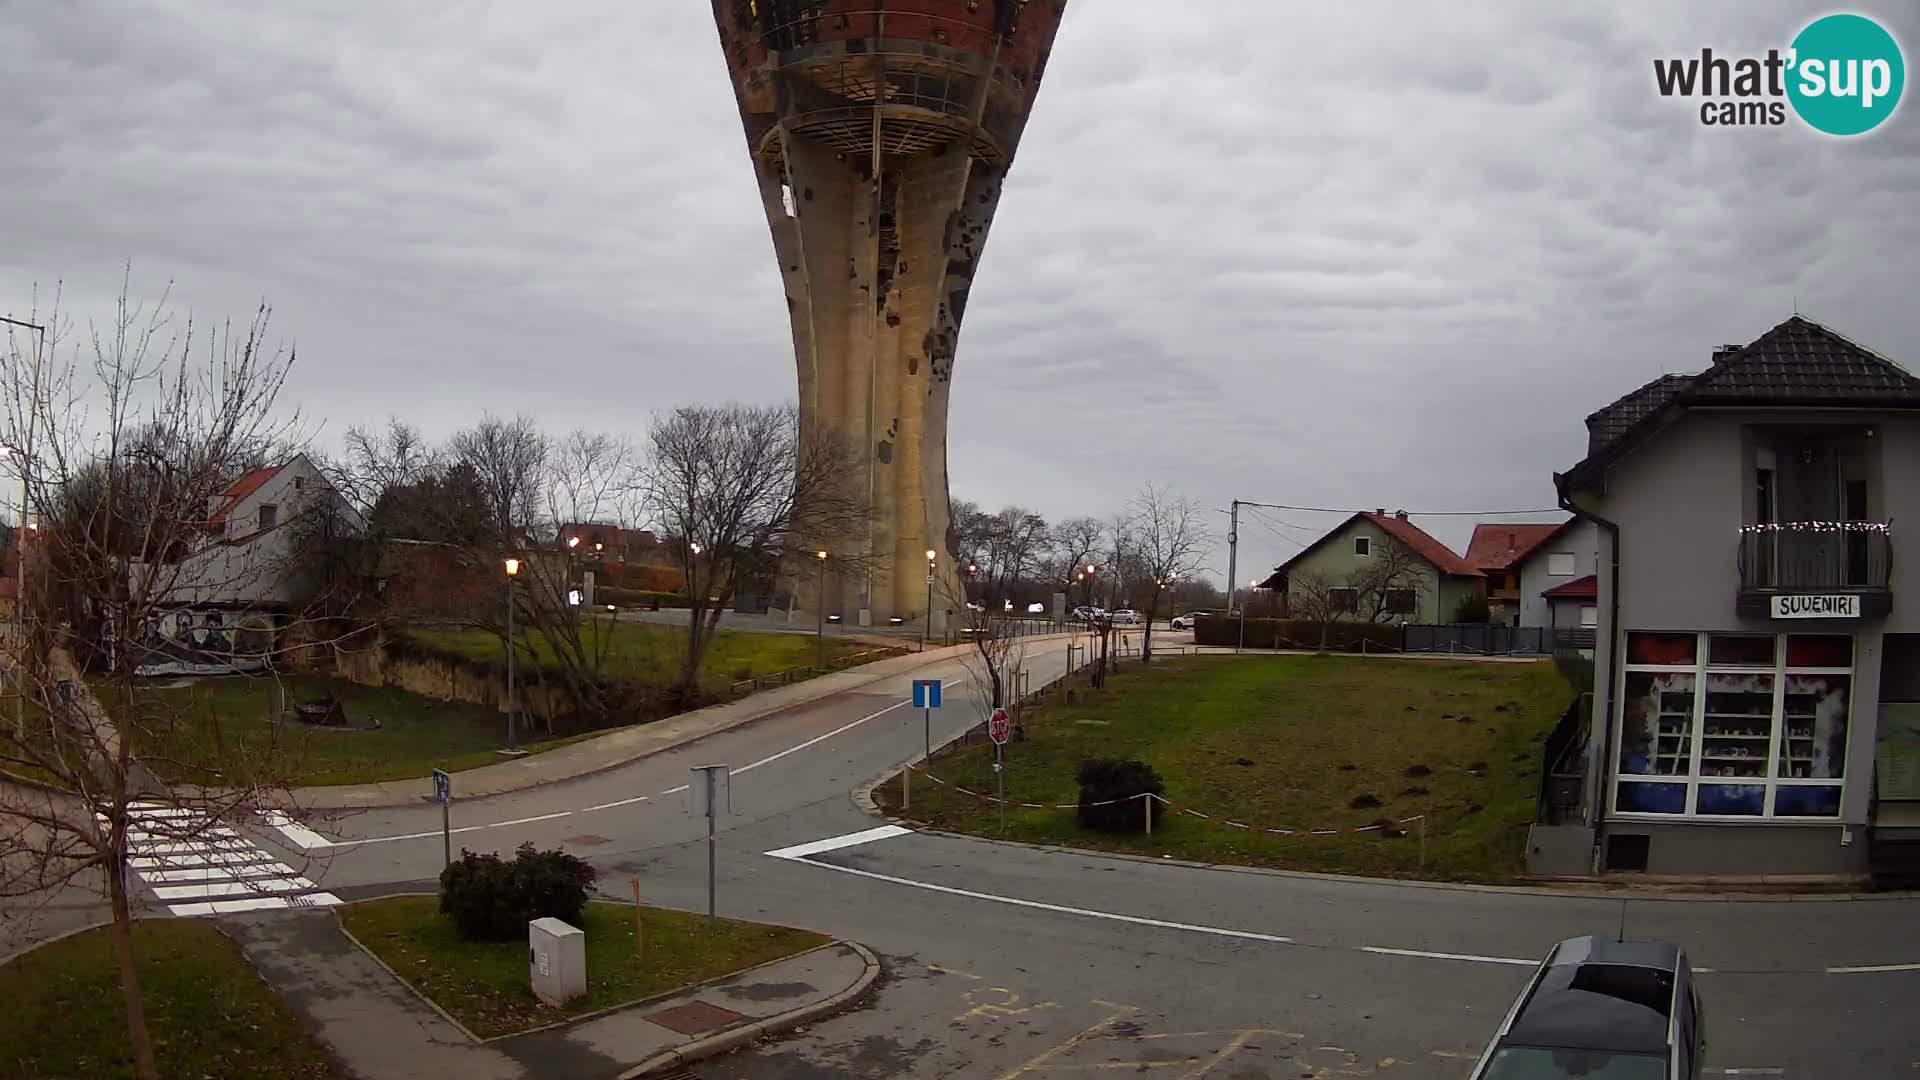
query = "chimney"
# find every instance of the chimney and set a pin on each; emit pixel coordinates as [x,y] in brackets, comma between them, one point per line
[1721,354]
[1401,514]
[1380,511]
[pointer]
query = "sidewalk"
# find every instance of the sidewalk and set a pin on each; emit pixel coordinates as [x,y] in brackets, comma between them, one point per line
[625,745]
[379,1029]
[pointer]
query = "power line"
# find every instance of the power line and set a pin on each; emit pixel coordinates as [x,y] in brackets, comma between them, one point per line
[1409,513]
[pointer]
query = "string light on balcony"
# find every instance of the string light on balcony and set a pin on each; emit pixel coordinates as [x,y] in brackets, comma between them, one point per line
[1881,527]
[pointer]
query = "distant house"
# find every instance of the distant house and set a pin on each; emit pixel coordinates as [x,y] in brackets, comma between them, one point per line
[1558,589]
[611,542]
[221,601]
[1497,550]
[1380,567]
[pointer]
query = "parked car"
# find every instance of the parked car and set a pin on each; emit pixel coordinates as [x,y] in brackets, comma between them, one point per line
[1185,622]
[1086,613]
[1594,1008]
[1126,617]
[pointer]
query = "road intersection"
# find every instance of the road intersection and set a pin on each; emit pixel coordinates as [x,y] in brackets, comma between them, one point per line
[1010,961]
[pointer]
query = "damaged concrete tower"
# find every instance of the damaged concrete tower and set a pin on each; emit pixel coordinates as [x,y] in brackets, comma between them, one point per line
[881,131]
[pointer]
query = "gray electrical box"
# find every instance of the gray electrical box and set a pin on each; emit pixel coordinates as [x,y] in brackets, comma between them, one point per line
[556,960]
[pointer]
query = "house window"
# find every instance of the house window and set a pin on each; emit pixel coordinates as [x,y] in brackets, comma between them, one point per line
[299,483]
[1400,601]
[269,516]
[1560,564]
[1362,546]
[1344,599]
[1734,725]
[1589,615]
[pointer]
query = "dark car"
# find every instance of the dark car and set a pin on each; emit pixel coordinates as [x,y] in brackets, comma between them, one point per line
[1602,1010]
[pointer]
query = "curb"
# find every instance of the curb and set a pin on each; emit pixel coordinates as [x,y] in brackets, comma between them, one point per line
[61,936]
[734,1038]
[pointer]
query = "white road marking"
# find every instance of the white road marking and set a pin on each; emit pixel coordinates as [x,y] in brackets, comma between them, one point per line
[1451,956]
[769,759]
[616,802]
[1863,968]
[217,873]
[436,832]
[207,890]
[835,843]
[1749,1072]
[213,858]
[1135,920]
[255,903]
[296,832]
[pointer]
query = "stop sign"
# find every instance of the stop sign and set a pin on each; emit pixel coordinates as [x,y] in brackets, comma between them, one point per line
[999,728]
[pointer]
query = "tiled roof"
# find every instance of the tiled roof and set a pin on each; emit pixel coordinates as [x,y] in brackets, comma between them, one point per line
[1586,588]
[247,484]
[1423,544]
[1496,547]
[1797,363]
[1608,424]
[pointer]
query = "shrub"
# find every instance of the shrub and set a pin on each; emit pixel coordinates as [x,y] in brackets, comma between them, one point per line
[490,899]
[1472,608]
[638,597]
[1105,779]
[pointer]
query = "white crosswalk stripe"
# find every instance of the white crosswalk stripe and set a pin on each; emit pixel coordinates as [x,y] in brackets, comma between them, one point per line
[197,868]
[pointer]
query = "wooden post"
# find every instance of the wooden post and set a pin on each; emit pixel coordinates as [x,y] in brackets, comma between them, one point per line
[1146,797]
[1423,841]
[640,931]
[906,789]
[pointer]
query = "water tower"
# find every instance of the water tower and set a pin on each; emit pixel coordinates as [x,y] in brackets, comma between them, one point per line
[881,132]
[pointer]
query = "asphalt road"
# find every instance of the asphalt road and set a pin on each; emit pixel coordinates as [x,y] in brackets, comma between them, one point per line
[1006,961]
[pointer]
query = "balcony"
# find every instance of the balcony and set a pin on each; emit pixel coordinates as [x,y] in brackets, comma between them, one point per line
[1815,559]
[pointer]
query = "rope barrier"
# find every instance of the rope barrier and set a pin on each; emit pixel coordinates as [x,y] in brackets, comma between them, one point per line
[1169,804]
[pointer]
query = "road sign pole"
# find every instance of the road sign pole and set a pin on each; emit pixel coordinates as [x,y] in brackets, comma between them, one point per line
[446,832]
[708,773]
[926,720]
[1000,780]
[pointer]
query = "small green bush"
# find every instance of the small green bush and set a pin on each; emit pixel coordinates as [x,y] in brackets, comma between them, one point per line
[1105,779]
[490,899]
[639,597]
[1472,608]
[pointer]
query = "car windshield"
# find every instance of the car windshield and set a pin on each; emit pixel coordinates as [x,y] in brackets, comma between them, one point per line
[1543,1063]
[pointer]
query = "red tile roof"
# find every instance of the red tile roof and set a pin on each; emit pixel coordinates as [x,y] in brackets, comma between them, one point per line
[1498,547]
[1422,544]
[1586,588]
[240,489]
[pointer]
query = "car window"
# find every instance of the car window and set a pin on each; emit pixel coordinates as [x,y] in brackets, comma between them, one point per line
[1539,1063]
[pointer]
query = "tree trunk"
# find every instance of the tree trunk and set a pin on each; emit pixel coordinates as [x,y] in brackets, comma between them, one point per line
[144,1066]
[1146,639]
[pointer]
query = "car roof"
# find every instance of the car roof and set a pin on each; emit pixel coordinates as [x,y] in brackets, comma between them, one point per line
[1596,994]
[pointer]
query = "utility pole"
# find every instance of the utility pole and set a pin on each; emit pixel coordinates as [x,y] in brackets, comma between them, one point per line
[1233,564]
[20,610]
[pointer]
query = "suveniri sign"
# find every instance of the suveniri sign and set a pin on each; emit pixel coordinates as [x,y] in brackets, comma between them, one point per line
[1816,607]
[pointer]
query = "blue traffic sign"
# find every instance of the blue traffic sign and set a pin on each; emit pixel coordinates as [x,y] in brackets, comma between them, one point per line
[442,787]
[926,693]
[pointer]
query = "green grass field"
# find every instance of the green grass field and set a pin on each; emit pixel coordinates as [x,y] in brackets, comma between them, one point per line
[484,984]
[208,1014]
[196,726]
[651,654]
[1286,742]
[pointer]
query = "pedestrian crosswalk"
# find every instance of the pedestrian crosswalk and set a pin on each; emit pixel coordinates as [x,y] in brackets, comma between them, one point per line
[195,867]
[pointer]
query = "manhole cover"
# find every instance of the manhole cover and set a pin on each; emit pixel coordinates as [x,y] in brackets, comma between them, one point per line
[586,840]
[695,1018]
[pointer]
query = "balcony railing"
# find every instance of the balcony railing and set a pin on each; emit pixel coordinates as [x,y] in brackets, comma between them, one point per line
[1839,556]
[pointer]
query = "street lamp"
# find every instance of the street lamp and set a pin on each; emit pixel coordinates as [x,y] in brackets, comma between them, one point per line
[927,627]
[513,733]
[820,630]
[26,498]
[572,542]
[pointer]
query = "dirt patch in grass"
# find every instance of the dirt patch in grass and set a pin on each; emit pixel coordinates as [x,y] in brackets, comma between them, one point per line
[484,984]
[1318,729]
[208,1013]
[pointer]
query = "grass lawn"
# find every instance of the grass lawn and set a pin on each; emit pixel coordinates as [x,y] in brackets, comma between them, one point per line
[217,721]
[1287,742]
[208,1013]
[484,984]
[651,653]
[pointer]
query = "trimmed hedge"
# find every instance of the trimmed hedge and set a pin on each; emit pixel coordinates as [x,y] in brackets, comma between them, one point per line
[1342,636]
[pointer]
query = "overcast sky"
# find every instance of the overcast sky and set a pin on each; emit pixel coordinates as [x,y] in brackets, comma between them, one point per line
[1355,255]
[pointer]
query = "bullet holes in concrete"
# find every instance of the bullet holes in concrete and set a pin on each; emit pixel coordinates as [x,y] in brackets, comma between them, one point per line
[893,318]
[884,452]
[913,365]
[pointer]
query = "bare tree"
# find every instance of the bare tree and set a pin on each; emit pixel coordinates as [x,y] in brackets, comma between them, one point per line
[138,435]
[1319,599]
[1013,543]
[1169,541]
[1076,542]
[741,489]
[1388,587]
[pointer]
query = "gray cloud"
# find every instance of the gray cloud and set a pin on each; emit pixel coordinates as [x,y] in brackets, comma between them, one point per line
[1377,254]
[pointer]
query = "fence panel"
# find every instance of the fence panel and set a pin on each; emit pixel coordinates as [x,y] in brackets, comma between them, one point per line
[1480,639]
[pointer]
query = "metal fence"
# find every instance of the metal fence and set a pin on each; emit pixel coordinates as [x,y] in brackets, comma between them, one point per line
[1480,640]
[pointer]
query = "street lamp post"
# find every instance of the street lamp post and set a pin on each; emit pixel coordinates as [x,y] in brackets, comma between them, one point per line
[26,498]
[513,700]
[927,628]
[820,629]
